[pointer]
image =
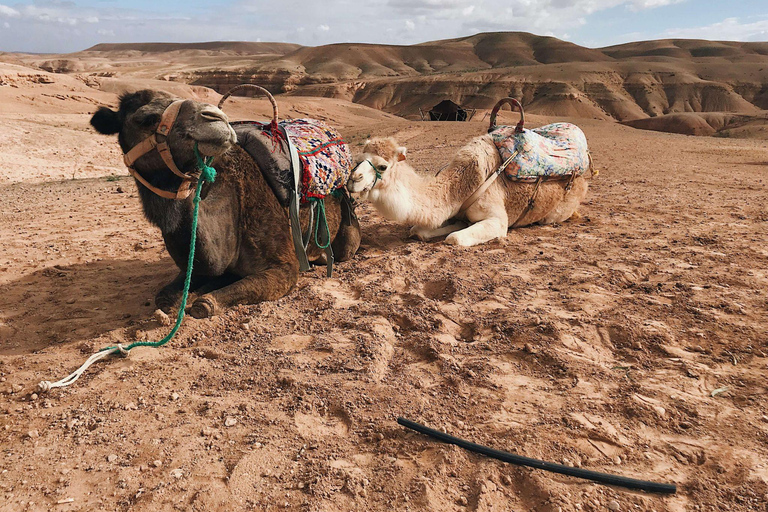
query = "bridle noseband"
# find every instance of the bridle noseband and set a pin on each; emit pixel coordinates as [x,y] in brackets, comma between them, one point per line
[378,174]
[159,141]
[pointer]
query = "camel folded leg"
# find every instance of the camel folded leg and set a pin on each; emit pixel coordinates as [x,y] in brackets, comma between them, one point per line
[426,234]
[479,233]
[269,284]
[169,297]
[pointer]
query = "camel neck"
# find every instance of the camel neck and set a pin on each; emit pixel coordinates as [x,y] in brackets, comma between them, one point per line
[409,197]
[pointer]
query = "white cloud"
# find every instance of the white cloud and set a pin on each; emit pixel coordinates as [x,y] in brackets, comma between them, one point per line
[9,12]
[52,25]
[730,29]
[650,4]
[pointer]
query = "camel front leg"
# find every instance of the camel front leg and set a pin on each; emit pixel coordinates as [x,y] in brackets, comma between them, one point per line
[426,234]
[269,284]
[169,297]
[479,233]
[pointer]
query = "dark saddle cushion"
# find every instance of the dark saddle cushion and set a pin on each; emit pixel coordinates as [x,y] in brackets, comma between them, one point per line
[271,155]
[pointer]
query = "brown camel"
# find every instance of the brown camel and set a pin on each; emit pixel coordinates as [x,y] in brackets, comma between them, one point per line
[244,252]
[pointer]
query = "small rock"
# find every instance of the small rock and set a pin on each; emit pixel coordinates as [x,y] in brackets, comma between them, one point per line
[246,326]
[174,396]
[506,480]
[33,396]
[120,190]
[462,501]
[161,317]
[230,422]
[614,506]
[131,406]
[33,434]
[617,460]
[157,463]
[208,431]
[111,458]
[177,473]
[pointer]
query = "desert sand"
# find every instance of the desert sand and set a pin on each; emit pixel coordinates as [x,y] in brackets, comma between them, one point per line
[632,340]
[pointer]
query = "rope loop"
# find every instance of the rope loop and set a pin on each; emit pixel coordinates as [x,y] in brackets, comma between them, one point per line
[321,211]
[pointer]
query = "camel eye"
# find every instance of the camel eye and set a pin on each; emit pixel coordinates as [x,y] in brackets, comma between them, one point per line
[381,168]
[147,119]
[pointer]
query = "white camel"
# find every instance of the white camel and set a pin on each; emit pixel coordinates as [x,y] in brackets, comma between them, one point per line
[432,204]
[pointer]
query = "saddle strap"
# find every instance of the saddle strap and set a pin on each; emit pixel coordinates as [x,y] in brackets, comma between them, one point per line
[531,203]
[485,186]
[293,208]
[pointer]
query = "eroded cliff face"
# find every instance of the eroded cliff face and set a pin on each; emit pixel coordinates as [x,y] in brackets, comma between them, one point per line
[553,77]
[599,95]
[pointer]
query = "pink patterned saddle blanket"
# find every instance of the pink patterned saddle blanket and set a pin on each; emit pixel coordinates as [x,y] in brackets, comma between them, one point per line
[325,159]
[554,151]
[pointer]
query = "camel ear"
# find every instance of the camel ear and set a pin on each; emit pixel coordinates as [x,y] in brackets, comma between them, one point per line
[400,153]
[106,121]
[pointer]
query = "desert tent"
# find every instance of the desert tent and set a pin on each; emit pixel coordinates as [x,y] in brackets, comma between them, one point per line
[447,110]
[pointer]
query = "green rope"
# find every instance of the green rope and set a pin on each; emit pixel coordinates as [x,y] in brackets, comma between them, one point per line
[376,170]
[321,211]
[207,174]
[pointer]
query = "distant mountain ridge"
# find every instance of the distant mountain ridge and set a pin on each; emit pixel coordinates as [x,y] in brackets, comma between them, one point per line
[244,47]
[625,82]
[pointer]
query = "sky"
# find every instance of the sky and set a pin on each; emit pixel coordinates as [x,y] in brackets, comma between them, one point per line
[61,26]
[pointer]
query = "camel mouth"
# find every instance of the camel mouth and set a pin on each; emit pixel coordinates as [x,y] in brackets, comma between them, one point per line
[219,146]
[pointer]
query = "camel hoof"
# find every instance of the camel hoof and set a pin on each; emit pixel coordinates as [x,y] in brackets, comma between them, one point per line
[456,239]
[418,234]
[165,303]
[202,308]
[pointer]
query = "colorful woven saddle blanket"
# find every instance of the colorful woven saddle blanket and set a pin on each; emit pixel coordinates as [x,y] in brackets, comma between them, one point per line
[554,151]
[326,161]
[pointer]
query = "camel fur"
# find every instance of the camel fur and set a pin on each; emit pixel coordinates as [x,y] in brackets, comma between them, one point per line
[431,204]
[244,252]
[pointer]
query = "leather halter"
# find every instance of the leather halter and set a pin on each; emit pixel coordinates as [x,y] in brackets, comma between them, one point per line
[159,141]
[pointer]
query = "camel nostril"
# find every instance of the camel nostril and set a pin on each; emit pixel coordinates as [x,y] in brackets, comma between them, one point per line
[212,115]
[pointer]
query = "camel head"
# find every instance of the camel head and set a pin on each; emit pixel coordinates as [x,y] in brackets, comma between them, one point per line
[139,115]
[374,166]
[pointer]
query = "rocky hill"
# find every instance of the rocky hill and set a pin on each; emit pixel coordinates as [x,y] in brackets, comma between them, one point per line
[627,82]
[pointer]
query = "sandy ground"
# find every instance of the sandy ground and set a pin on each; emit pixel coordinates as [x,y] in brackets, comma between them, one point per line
[596,343]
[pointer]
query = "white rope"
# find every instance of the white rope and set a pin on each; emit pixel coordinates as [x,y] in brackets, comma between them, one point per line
[46,386]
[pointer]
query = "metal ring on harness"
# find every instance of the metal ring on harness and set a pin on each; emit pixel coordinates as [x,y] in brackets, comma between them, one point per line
[513,103]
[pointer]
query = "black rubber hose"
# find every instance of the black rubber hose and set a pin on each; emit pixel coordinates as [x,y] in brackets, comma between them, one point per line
[603,478]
